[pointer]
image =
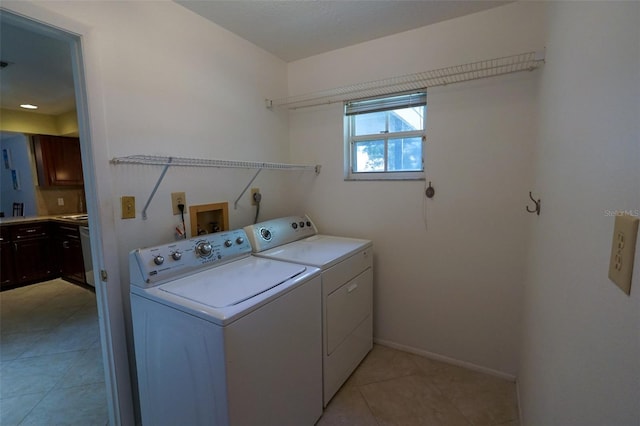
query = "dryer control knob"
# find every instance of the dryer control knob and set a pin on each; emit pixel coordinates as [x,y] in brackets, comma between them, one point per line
[204,248]
[239,240]
[301,224]
[176,255]
[294,225]
[228,243]
[158,260]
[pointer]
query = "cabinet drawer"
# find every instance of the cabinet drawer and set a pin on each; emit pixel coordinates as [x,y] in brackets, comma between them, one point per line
[339,274]
[347,307]
[31,230]
[69,231]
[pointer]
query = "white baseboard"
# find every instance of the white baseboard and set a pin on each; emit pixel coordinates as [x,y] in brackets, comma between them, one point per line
[447,359]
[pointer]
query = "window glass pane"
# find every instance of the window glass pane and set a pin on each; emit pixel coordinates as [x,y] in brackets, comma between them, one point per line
[405,154]
[406,119]
[368,156]
[370,124]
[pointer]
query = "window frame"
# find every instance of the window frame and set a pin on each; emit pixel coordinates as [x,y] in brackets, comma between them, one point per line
[351,140]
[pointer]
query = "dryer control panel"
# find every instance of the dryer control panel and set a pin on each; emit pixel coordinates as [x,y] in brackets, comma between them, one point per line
[154,265]
[276,232]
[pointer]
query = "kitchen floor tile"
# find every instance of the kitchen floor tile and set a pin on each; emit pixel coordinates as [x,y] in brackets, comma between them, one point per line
[79,405]
[34,375]
[38,319]
[50,356]
[87,369]
[13,410]
[65,338]
[12,345]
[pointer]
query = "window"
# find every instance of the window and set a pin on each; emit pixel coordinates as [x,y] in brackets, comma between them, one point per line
[384,137]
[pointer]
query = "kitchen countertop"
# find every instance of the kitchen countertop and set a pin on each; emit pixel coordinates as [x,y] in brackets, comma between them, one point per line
[62,218]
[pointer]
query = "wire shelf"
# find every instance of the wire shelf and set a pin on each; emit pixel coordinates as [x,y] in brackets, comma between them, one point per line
[419,81]
[201,162]
[166,162]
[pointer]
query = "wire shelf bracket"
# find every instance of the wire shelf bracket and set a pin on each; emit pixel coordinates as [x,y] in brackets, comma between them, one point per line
[528,61]
[167,162]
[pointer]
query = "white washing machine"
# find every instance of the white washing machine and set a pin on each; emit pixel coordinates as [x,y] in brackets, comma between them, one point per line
[223,337]
[347,288]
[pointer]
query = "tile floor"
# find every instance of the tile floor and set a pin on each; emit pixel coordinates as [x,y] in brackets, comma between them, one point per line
[392,387]
[50,359]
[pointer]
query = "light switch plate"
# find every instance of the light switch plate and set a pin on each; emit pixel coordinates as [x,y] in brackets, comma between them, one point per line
[623,248]
[128,207]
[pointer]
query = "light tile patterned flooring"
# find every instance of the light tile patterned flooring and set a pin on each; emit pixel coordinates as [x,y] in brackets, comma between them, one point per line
[50,359]
[392,387]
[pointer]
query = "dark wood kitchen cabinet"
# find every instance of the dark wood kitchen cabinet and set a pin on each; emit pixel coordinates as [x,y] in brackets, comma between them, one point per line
[58,160]
[6,258]
[69,253]
[31,252]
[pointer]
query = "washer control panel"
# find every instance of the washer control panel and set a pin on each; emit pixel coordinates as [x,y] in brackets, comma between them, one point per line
[276,232]
[153,265]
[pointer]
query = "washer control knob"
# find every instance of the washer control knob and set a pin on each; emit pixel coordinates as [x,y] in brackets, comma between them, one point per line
[176,255]
[309,224]
[228,243]
[239,240]
[294,225]
[265,233]
[301,224]
[158,260]
[204,248]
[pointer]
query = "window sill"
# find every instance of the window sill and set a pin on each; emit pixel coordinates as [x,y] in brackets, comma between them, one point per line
[400,176]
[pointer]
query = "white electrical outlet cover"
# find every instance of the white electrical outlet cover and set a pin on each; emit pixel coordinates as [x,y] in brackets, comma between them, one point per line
[623,248]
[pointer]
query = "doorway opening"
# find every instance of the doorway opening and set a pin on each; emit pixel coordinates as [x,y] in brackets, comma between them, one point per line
[111,351]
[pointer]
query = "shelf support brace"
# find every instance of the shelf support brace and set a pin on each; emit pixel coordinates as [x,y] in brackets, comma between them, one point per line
[155,188]
[235,203]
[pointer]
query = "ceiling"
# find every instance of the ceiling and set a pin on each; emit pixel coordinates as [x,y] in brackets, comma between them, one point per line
[293,30]
[40,73]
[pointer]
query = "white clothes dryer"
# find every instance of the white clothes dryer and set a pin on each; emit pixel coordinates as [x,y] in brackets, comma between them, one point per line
[347,288]
[223,337]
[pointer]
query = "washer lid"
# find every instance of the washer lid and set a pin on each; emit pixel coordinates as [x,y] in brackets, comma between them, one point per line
[233,283]
[322,251]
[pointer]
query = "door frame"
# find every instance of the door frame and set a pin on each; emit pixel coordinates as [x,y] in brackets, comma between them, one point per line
[98,190]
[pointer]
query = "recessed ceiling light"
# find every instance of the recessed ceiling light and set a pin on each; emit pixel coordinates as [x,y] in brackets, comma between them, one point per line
[29,106]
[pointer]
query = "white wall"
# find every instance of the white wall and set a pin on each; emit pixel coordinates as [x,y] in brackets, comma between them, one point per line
[580,362]
[452,286]
[18,147]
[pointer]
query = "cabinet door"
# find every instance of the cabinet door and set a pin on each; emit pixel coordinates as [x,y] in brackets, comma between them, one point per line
[31,259]
[6,267]
[70,259]
[58,160]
